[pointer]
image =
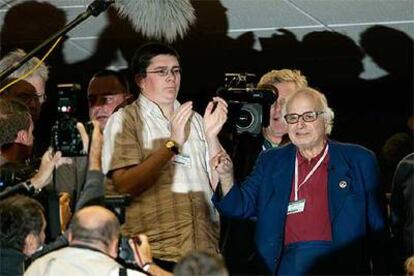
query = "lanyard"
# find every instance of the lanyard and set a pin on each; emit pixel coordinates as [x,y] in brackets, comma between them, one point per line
[317,165]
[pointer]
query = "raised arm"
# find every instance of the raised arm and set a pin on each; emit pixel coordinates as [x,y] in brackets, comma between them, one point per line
[214,118]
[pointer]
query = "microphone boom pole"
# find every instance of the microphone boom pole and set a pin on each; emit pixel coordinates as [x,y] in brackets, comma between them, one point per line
[95,8]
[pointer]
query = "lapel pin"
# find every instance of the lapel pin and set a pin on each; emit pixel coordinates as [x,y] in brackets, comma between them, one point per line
[342,184]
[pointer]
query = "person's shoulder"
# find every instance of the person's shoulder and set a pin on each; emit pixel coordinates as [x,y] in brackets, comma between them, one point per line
[406,162]
[124,114]
[128,109]
[354,150]
[278,152]
[408,158]
[40,263]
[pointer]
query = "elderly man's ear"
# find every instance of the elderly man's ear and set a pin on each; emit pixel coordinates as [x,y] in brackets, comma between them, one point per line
[31,244]
[113,248]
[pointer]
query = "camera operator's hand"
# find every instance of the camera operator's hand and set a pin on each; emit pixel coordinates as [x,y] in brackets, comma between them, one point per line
[214,118]
[223,166]
[49,162]
[143,256]
[179,122]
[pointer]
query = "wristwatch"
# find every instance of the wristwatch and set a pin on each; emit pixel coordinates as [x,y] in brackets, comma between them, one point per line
[172,146]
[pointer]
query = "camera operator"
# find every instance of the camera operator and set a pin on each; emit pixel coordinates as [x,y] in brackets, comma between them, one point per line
[238,245]
[107,90]
[93,246]
[16,140]
[287,82]
[22,232]
[23,219]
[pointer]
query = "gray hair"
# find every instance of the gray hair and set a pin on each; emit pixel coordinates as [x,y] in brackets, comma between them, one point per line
[320,101]
[16,56]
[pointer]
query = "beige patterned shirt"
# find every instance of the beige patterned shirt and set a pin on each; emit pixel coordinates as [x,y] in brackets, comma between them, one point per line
[176,213]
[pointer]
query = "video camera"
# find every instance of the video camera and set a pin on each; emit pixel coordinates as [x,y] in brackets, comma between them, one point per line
[249,106]
[65,135]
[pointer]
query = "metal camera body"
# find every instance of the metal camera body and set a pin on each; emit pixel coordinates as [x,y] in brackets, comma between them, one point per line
[65,135]
[249,106]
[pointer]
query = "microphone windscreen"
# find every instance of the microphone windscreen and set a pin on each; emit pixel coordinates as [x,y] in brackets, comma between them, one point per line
[159,19]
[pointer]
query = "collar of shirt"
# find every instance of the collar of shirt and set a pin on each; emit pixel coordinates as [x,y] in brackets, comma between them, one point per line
[314,160]
[149,107]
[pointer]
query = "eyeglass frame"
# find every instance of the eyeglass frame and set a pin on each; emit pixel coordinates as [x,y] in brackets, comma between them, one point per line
[317,114]
[163,72]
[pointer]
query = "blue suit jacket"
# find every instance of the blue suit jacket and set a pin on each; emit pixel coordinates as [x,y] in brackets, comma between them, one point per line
[355,210]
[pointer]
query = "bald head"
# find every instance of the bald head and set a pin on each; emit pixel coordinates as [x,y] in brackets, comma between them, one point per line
[94,225]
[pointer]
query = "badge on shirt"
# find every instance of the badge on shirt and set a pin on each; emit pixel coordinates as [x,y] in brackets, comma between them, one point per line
[182,160]
[296,206]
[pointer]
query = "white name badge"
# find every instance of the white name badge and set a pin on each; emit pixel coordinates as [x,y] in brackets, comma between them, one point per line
[182,160]
[296,206]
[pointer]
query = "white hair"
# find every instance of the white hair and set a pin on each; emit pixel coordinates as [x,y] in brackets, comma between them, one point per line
[320,100]
[16,56]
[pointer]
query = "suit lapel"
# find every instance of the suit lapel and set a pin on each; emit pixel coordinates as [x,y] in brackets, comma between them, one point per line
[339,180]
[282,178]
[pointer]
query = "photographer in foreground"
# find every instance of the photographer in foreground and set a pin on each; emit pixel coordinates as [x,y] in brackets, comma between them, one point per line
[93,246]
[16,140]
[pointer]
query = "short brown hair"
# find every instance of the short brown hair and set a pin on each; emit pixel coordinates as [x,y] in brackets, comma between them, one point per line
[19,215]
[14,116]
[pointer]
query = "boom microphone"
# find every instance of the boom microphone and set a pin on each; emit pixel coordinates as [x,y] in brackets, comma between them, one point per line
[158,18]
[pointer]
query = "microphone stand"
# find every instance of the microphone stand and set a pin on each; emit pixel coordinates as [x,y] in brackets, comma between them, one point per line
[95,8]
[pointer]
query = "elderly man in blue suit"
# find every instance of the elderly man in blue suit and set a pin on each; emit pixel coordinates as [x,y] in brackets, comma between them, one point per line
[318,202]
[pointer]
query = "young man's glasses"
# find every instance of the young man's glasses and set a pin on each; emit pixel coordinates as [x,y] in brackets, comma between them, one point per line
[309,116]
[163,72]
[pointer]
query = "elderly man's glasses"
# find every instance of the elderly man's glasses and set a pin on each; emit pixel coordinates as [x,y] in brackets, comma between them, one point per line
[163,72]
[309,116]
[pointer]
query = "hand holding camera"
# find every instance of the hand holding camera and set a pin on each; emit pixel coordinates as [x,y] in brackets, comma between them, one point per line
[50,161]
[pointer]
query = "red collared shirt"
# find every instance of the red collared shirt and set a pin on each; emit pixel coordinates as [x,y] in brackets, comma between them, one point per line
[313,224]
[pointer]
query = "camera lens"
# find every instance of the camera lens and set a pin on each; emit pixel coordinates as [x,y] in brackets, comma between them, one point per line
[245,119]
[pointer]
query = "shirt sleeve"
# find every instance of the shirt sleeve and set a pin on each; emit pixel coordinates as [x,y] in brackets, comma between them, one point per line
[121,147]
